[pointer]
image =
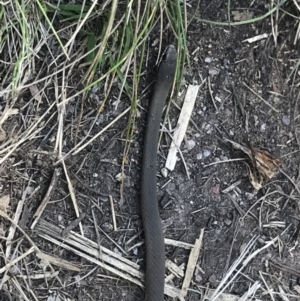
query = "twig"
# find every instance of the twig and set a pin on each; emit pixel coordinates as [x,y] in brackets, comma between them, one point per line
[113,212]
[13,262]
[46,199]
[211,95]
[256,94]
[12,229]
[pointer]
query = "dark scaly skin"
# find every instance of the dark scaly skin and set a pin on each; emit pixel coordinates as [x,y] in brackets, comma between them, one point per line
[154,239]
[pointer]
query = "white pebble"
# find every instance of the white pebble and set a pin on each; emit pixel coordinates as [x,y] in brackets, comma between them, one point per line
[286,120]
[206,153]
[263,127]
[208,60]
[212,72]
[190,144]
[164,172]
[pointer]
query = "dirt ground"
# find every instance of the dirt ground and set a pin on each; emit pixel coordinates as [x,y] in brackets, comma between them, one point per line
[247,95]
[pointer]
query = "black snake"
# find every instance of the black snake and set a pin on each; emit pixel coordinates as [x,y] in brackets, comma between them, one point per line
[154,239]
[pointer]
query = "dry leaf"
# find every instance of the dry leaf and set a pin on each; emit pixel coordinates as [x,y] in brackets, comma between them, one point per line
[2,135]
[35,93]
[4,202]
[263,167]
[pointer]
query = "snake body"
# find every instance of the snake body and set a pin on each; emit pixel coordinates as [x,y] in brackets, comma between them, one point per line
[154,239]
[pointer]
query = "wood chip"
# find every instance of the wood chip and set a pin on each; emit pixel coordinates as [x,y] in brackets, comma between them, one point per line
[182,124]
[194,255]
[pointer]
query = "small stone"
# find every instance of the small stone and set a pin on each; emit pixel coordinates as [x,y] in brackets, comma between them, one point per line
[164,172]
[212,72]
[231,133]
[59,218]
[207,126]
[117,251]
[199,156]
[206,153]
[208,59]
[100,119]
[286,120]
[120,176]
[198,278]
[242,248]
[95,175]
[249,196]
[217,98]
[190,144]
[226,63]
[107,227]
[216,189]
[213,280]
[263,127]
[227,222]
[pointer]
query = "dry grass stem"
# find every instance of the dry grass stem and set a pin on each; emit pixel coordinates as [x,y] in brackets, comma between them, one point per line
[192,262]
[64,264]
[13,262]
[256,94]
[113,212]
[72,195]
[46,198]
[88,249]
[179,244]
[182,124]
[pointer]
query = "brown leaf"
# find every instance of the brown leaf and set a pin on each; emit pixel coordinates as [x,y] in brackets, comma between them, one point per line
[263,167]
